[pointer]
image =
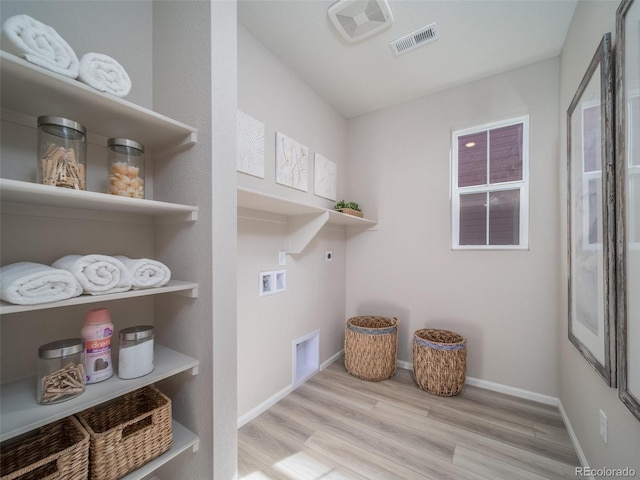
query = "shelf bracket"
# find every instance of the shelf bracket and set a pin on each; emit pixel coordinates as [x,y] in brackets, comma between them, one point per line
[303,228]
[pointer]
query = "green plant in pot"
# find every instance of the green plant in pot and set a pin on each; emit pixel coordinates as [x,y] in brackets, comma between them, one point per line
[345,206]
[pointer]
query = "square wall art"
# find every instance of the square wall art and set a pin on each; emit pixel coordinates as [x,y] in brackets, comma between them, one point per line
[250,158]
[325,177]
[292,160]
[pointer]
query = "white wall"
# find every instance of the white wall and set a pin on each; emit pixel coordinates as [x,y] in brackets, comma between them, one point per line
[503,302]
[315,295]
[582,391]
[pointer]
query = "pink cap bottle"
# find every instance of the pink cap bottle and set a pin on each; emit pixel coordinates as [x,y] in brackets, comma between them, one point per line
[96,333]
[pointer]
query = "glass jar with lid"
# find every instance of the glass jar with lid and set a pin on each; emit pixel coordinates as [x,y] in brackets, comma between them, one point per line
[62,153]
[126,167]
[135,356]
[61,374]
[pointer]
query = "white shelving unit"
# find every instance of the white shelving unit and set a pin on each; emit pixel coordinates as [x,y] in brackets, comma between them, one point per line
[29,90]
[21,413]
[305,221]
[189,289]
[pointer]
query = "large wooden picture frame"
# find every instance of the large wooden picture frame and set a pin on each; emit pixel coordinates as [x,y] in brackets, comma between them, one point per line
[628,201]
[591,215]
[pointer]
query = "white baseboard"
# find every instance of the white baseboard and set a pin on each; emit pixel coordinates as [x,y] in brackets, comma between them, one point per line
[264,406]
[574,440]
[331,359]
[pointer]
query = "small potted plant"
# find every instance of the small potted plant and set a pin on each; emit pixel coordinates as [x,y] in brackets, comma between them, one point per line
[350,208]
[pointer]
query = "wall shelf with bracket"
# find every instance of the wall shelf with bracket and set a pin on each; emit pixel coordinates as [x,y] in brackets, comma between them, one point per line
[304,220]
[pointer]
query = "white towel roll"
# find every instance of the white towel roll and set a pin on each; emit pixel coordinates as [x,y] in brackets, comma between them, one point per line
[29,283]
[39,44]
[146,273]
[97,274]
[105,74]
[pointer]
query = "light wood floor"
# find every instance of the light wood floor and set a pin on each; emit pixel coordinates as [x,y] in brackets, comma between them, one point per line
[338,427]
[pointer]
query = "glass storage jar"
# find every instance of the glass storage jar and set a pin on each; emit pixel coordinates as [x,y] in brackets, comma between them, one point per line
[135,357]
[126,168]
[62,153]
[60,371]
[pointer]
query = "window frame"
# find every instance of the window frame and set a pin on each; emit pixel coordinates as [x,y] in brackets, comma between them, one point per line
[522,185]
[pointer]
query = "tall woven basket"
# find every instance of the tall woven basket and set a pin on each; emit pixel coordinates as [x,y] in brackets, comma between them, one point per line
[371,347]
[439,361]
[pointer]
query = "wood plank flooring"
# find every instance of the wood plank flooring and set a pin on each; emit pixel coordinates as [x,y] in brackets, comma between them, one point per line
[336,427]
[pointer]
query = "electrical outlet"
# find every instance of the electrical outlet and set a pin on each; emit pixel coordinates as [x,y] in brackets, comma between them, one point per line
[282,258]
[603,426]
[328,256]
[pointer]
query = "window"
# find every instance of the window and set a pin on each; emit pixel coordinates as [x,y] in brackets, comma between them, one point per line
[489,185]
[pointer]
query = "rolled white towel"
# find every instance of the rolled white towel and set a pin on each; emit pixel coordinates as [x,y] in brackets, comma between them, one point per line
[39,44]
[104,73]
[146,273]
[29,283]
[97,274]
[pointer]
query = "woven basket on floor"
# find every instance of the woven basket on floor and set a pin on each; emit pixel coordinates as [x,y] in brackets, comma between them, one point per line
[439,361]
[57,451]
[127,434]
[371,347]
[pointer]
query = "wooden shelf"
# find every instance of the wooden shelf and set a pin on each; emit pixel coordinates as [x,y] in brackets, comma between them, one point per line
[305,221]
[21,413]
[174,286]
[27,193]
[35,91]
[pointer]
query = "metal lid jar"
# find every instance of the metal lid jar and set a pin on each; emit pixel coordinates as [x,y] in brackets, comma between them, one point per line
[126,167]
[135,356]
[62,153]
[61,374]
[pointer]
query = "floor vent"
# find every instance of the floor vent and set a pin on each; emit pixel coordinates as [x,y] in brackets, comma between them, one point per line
[416,39]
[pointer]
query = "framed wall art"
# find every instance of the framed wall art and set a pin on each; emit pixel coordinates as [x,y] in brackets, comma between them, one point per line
[628,202]
[325,177]
[292,163]
[250,145]
[591,216]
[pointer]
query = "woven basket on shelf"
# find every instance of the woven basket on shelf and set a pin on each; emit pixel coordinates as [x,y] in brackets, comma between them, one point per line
[127,434]
[57,451]
[350,211]
[371,347]
[439,361]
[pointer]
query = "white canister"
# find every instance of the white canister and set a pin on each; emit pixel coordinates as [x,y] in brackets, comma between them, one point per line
[135,355]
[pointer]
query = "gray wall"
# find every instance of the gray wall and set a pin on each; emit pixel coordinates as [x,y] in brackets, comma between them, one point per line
[315,295]
[504,302]
[582,391]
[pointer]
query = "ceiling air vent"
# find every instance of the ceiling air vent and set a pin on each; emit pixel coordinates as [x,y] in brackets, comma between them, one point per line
[416,39]
[359,19]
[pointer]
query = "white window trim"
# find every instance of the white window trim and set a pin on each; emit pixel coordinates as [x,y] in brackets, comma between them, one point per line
[523,185]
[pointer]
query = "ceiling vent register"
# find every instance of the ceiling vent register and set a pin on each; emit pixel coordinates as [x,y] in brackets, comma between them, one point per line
[359,19]
[416,39]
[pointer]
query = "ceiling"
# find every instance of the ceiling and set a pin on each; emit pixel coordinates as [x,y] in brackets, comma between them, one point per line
[477,38]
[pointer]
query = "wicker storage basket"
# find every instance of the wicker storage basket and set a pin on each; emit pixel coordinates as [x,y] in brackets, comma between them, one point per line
[58,451]
[439,361]
[127,434]
[371,347]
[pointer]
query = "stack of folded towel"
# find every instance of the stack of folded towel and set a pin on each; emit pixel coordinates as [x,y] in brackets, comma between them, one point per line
[146,273]
[29,283]
[41,45]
